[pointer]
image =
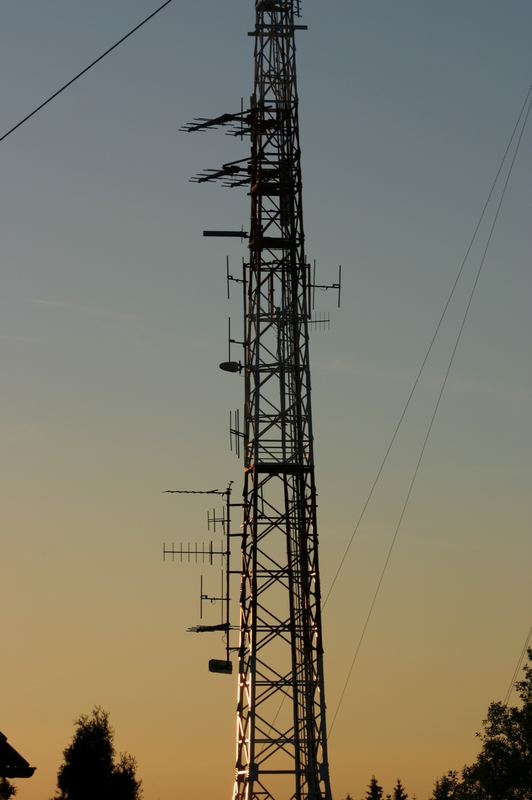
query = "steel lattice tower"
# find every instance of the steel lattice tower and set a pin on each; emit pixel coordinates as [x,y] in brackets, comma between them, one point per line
[281,655]
[281,740]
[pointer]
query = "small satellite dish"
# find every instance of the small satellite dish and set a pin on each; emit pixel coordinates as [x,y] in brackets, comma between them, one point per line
[231,366]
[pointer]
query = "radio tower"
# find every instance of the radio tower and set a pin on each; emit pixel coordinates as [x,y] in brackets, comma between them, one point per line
[281,738]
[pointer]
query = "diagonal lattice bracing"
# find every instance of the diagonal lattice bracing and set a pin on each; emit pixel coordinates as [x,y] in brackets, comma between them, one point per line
[281,741]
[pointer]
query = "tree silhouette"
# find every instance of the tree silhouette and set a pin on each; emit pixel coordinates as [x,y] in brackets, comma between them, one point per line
[503,768]
[7,789]
[89,770]
[399,792]
[448,787]
[375,791]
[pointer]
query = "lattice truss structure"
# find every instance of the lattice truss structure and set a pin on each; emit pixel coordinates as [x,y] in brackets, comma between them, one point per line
[281,743]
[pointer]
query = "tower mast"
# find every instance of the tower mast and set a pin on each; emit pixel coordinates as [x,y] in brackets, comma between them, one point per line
[281,729]
[281,739]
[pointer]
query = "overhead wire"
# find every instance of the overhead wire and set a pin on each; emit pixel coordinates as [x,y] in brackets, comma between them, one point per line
[428,351]
[517,667]
[85,70]
[437,404]
[407,404]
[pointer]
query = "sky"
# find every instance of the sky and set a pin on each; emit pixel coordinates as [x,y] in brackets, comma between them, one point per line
[113,321]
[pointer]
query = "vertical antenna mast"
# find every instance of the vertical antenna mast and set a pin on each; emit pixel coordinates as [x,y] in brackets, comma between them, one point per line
[281,740]
[281,735]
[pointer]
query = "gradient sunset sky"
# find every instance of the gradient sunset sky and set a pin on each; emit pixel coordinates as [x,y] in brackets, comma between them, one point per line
[114,321]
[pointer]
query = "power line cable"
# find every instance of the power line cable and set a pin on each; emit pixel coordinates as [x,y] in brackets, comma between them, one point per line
[83,71]
[517,667]
[428,352]
[434,413]
[407,404]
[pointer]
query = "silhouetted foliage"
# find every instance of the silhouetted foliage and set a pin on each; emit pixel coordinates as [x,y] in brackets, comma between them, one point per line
[124,782]
[375,791]
[399,792]
[503,768]
[447,787]
[89,770]
[7,789]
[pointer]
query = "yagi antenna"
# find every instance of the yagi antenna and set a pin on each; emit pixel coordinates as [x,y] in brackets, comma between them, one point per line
[234,431]
[194,491]
[320,321]
[205,554]
[314,286]
[326,286]
[230,278]
[230,365]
